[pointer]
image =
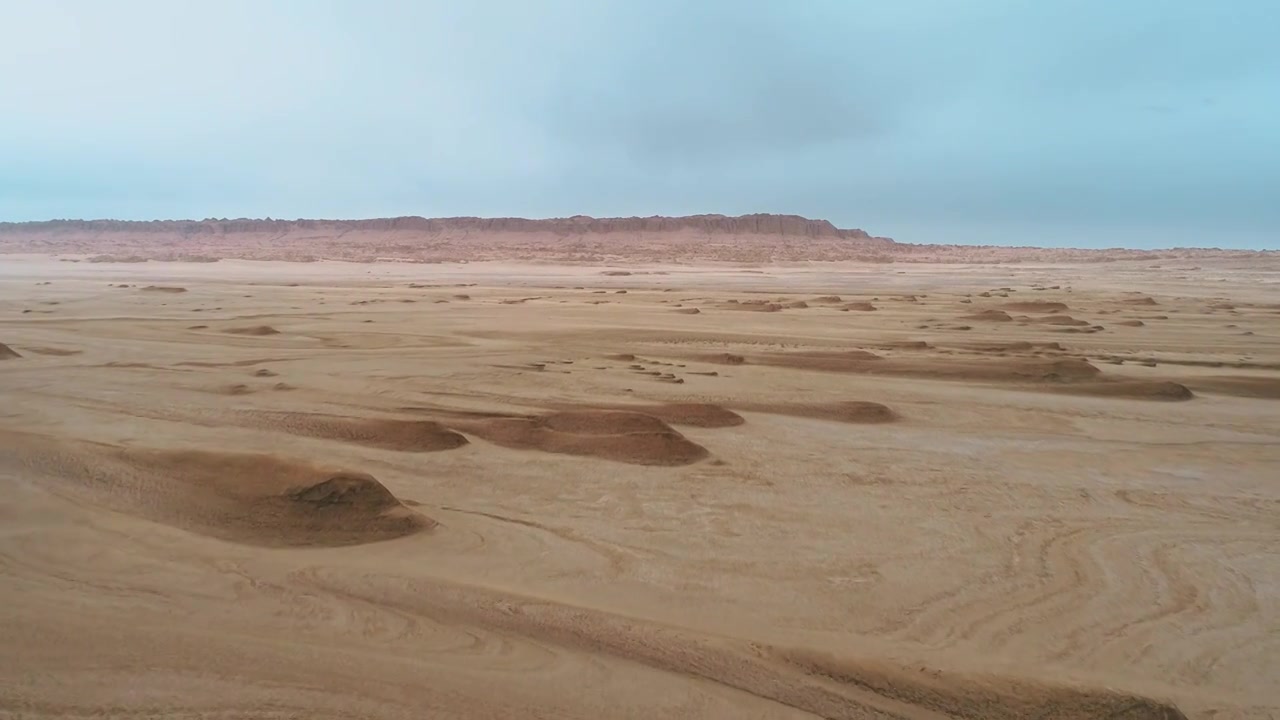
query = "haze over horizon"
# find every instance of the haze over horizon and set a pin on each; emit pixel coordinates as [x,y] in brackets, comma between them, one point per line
[1094,125]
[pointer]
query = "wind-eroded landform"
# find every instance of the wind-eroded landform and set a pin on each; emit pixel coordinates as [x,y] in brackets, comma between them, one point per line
[634,488]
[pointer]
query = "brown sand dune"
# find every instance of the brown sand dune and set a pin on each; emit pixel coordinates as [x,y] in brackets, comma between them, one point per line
[8,353]
[752,306]
[230,363]
[804,682]
[1133,389]
[988,316]
[1037,306]
[820,359]
[255,330]
[53,351]
[995,347]
[827,299]
[1130,323]
[381,433]
[628,437]
[847,411]
[722,358]
[252,499]
[1140,301]
[1032,538]
[1265,388]
[979,698]
[164,289]
[687,311]
[858,306]
[704,415]
[1027,369]
[1057,320]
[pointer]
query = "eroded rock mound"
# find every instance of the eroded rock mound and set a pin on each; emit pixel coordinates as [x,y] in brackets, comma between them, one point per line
[381,433]
[254,330]
[246,498]
[1037,306]
[618,435]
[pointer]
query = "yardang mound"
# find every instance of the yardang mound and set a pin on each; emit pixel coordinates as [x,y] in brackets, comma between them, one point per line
[846,411]
[988,316]
[381,433]
[252,499]
[256,330]
[704,415]
[1036,306]
[628,437]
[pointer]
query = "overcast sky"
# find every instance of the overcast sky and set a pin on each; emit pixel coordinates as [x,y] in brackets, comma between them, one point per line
[1071,122]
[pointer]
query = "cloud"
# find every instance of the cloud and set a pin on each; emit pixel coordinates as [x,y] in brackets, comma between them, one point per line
[1089,122]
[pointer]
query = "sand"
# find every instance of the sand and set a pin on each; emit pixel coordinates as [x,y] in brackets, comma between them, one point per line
[324,501]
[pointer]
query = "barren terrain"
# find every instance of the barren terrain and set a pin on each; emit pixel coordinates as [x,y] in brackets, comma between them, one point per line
[638,489]
[760,238]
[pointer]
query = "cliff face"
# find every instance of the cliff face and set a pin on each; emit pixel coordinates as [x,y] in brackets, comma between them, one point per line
[714,238]
[748,238]
[758,224]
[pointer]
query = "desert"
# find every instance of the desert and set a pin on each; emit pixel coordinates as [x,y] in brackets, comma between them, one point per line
[487,476]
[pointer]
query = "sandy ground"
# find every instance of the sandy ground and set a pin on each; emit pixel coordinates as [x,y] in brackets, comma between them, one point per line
[491,490]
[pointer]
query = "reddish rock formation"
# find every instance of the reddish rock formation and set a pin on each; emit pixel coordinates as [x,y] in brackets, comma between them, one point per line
[748,238]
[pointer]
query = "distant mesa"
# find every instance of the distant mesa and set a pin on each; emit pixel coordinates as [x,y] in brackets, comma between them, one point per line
[858,306]
[754,239]
[164,289]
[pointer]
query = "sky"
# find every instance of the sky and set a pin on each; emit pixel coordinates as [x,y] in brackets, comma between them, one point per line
[1087,123]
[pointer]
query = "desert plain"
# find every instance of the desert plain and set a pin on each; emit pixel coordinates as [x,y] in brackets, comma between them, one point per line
[632,489]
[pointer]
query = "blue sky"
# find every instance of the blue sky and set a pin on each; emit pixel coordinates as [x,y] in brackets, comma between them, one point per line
[1065,122]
